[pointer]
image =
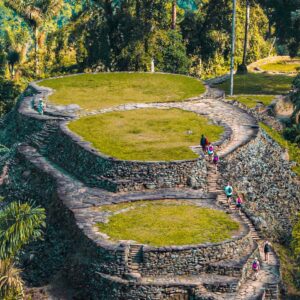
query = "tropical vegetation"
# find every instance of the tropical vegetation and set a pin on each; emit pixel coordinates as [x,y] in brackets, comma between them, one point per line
[20,223]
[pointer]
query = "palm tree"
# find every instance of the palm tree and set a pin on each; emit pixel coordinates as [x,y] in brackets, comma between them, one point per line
[11,283]
[36,13]
[19,224]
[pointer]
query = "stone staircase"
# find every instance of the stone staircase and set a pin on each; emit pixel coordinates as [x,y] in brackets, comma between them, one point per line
[41,139]
[267,284]
[135,257]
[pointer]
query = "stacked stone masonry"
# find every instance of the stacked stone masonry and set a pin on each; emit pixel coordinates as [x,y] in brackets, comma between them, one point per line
[70,178]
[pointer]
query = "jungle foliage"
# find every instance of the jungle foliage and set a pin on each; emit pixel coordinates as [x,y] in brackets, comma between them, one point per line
[20,223]
[42,38]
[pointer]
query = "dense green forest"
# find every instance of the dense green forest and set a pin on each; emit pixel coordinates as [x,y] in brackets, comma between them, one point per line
[43,38]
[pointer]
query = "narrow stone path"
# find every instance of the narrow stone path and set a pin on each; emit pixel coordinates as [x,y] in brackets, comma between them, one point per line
[268,278]
[243,127]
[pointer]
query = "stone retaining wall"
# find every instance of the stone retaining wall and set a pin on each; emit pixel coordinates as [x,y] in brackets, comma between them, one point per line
[95,169]
[191,260]
[34,178]
[260,171]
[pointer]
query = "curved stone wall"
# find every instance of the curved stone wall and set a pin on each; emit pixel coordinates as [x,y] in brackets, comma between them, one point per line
[110,260]
[96,169]
[49,134]
[111,271]
[259,170]
[189,260]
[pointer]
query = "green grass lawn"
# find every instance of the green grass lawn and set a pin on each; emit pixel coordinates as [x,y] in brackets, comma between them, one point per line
[286,65]
[293,149]
[167,222]
[258,84]
[252,100]
[96,91]
[146,134]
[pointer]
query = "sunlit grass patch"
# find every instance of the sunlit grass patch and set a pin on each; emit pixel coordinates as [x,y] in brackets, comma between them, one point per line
[166,222]
[252,100]
[96,91]
[146,134]
[282,65]
[258,84]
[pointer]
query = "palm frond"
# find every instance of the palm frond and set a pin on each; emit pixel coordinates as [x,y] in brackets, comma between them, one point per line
[19,224]
[11,283]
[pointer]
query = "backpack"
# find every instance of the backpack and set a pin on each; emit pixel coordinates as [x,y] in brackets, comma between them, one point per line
[255,265]
[229,190]
[267,248]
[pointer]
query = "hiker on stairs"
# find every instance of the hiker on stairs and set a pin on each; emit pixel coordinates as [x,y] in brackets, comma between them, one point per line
[216,160]
[210,151]
[267,250]
[255,268]
[228,192]
[238,203]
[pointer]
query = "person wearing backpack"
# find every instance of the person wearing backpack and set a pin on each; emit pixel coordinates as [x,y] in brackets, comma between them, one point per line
[216,160]
[203,142]
[210,151]
[255,267]
[267,250]
[238,203]
[228,192]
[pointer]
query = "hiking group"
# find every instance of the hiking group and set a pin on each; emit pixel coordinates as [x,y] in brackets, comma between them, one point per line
[208,148]
[213,157]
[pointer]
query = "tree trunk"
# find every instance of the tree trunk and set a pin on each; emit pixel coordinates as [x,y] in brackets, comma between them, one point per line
[11,69]
[174,14]
[36,60]
[247,23]
[242,68]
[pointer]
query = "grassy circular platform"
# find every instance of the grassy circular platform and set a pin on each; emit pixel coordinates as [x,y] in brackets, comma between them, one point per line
[96,91]
[258,84]
[167,222]
[283,65]
[146,134]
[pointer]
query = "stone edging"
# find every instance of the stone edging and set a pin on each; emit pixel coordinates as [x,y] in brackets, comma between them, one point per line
[269,120]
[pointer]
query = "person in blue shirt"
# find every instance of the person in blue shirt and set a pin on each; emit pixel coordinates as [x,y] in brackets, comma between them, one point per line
[228,192]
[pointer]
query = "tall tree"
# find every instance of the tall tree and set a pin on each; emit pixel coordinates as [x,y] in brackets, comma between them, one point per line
[36,13]
[242,68]
[174,14]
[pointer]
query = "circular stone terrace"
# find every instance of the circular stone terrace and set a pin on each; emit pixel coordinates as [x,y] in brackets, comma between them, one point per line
[206,265]
[167,222]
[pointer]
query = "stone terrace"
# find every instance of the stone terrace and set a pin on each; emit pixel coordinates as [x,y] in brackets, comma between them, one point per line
[125,269]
